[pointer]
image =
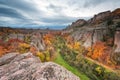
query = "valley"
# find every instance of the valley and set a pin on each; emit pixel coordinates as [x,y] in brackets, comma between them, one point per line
[89,49]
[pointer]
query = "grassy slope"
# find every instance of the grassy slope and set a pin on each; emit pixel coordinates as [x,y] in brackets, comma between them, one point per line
[61,61]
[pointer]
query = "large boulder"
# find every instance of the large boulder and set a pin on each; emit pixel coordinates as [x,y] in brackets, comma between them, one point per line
[14,66]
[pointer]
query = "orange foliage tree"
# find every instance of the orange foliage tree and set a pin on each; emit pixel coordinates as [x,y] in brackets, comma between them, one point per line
[2,51]
[13,44]
[97,50]
[48,38]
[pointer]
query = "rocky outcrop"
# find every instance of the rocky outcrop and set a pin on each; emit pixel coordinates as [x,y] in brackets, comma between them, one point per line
[78,23]
[14,66]
[83,35]
[97,19]
[116,13]
[100,17]
[89,36]
[37,41]
[104,16]
[102,27]
[35,38]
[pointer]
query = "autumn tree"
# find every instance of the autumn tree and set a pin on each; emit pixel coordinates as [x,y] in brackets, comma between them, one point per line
[24,47]
[97,50]
[2,51]
[48,38]
[33,50]
[41,56]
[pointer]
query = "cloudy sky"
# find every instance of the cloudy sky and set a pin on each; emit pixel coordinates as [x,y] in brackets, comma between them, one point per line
[50,13]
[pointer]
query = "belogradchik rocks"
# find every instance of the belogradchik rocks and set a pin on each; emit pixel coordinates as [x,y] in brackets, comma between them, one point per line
[14,66]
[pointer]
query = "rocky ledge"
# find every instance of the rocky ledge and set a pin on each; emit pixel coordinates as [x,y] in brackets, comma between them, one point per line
[14,66]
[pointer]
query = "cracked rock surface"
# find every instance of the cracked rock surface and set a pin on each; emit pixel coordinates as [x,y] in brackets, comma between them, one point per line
[14,66]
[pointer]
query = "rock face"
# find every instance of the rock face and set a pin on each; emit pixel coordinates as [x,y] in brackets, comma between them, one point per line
[14,66]
[78,23]
[116,13]
[100,17]
[97,19]
[89,35]
[103,27]
[37,41]
[35,38]
[117,41]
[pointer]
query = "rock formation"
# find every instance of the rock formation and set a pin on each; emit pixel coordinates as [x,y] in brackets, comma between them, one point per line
[78,23]
[117,41]
[102,27]
[14,66]
[100,17]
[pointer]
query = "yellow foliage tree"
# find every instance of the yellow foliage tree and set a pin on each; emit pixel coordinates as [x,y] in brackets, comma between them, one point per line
[41,56]
[47,55]
[23,47]
[74,45]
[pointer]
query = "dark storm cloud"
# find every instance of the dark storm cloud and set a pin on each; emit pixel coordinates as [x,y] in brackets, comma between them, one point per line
[19,4]
[7,12]
[14,5]
[23,6]
[14,8]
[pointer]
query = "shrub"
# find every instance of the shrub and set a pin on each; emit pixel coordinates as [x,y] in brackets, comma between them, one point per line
[47,56]
[111,76]
[41,56]
[23,47]
[116,58]
[109,22]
